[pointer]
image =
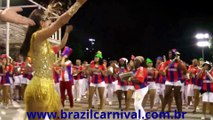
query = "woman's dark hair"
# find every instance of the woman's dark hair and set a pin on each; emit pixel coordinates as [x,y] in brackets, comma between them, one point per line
[100,62]
[37,16]
[173,54]
[124,65]
[143,64]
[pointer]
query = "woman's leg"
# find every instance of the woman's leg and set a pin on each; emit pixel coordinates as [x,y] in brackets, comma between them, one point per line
[145,99]
[76,89]
[211,109]
[168,91]
[6,94]
[196,99]
[83,87]
[162,92]
[204,108]
[178,100]
[62,90]
[106,91]
[16,93]
[91,94]
[138,99]
[129,97]
[101,95]
[119,96]
[170,101]
[11,91]
[1,93]
[110,92]
[69,92]
[80,85]
[152,98]
[23,87]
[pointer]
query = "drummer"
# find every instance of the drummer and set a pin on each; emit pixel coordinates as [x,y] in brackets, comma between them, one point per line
[123,85]
[140,85]
[151,78]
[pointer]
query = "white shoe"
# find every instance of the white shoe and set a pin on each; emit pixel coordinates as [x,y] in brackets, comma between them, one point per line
[197,108]
[203,118]
[3,112]
[110,103]
[78,100]
[211,118]
[15,104]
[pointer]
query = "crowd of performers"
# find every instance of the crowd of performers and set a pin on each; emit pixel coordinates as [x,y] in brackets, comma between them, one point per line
[138,78]
[135,80]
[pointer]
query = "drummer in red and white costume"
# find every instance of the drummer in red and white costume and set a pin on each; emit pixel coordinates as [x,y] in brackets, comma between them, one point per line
[6,81]
[151,79]
[124,86]
[108,93]
[66,78]
[207,88]
[140,85]
[78,80]
[161,78]
[86,75]
[192,71]
[197,85]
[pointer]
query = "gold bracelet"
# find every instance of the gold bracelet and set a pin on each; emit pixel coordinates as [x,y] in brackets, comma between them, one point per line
[74,9]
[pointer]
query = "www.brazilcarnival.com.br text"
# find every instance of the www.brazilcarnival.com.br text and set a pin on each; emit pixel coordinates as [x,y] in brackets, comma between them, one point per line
[105,115]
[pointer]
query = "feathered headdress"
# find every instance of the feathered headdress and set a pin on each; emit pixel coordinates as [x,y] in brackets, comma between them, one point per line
[54,8]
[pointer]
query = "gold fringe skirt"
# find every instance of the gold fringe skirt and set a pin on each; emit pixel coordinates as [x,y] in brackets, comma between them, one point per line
[41,91]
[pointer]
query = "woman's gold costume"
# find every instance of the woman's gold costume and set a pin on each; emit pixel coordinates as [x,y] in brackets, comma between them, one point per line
[41,89]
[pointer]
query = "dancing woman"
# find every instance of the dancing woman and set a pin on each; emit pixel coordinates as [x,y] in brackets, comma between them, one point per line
[98,71]
[40,94]
[108,93]
[124,86]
